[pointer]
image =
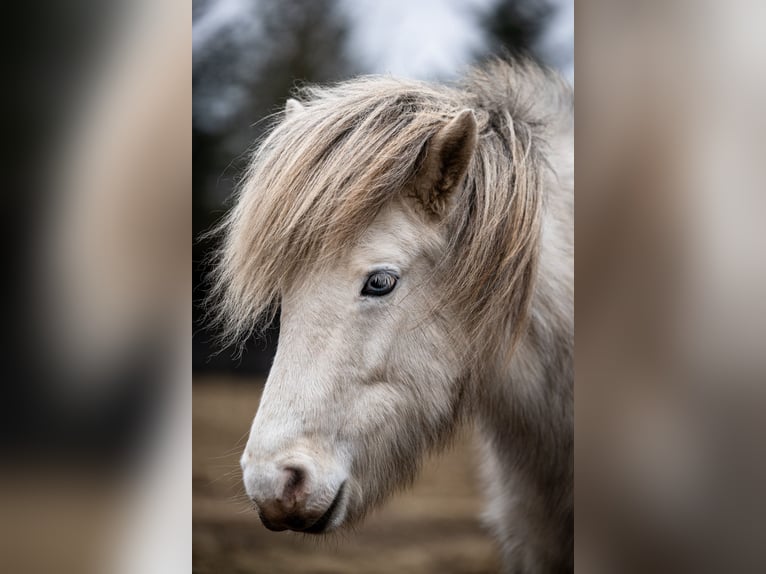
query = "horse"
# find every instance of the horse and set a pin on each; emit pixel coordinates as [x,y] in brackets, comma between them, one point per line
[416,241]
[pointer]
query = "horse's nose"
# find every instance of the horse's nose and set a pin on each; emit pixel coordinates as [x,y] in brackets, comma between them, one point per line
[293,500]
[296,496]
[285,507]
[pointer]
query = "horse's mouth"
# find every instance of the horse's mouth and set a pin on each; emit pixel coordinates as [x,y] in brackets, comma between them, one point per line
[321,525]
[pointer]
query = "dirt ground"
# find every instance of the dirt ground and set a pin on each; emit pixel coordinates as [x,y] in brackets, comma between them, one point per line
[432,528]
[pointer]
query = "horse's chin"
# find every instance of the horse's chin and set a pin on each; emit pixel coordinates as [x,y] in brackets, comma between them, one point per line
[334,517]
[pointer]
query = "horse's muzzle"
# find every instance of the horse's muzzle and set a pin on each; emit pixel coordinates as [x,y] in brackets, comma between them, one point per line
[289,500]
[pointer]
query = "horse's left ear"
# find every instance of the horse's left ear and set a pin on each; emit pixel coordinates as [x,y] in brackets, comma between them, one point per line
[445,163]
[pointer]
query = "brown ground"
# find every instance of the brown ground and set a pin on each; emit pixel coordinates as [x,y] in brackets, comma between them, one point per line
[432,528]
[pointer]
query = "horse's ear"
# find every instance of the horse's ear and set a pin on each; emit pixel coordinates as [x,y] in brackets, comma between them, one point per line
[292,107]
[445,163]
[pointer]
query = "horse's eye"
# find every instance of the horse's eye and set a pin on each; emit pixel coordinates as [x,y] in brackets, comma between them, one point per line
[379,283]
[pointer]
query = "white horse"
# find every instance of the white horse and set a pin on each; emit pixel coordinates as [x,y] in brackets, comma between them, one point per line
[419,240]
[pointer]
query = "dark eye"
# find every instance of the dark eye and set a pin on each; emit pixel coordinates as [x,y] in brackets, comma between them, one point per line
[379,283]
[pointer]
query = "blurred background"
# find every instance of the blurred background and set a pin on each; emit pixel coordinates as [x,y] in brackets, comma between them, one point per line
[248,57]
[670,275]
[95,355]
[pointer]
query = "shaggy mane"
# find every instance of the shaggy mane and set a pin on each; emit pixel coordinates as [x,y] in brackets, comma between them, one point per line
[321,177]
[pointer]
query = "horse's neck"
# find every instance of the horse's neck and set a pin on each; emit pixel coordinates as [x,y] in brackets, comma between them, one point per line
[525,407]
[531,394]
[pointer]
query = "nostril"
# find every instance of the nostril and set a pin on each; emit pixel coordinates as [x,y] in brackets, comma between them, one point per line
[295,476]
[294,481]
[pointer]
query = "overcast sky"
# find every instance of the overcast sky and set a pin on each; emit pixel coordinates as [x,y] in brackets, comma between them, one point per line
[416,39]
[437,38]
[421,39]
[411,38]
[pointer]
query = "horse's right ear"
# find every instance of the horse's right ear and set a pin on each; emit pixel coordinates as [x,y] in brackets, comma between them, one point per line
[445,162]
[292,107]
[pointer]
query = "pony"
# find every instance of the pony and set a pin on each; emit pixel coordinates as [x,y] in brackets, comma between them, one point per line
[417,239]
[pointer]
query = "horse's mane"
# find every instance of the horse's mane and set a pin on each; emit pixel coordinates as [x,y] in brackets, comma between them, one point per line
[321,176]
